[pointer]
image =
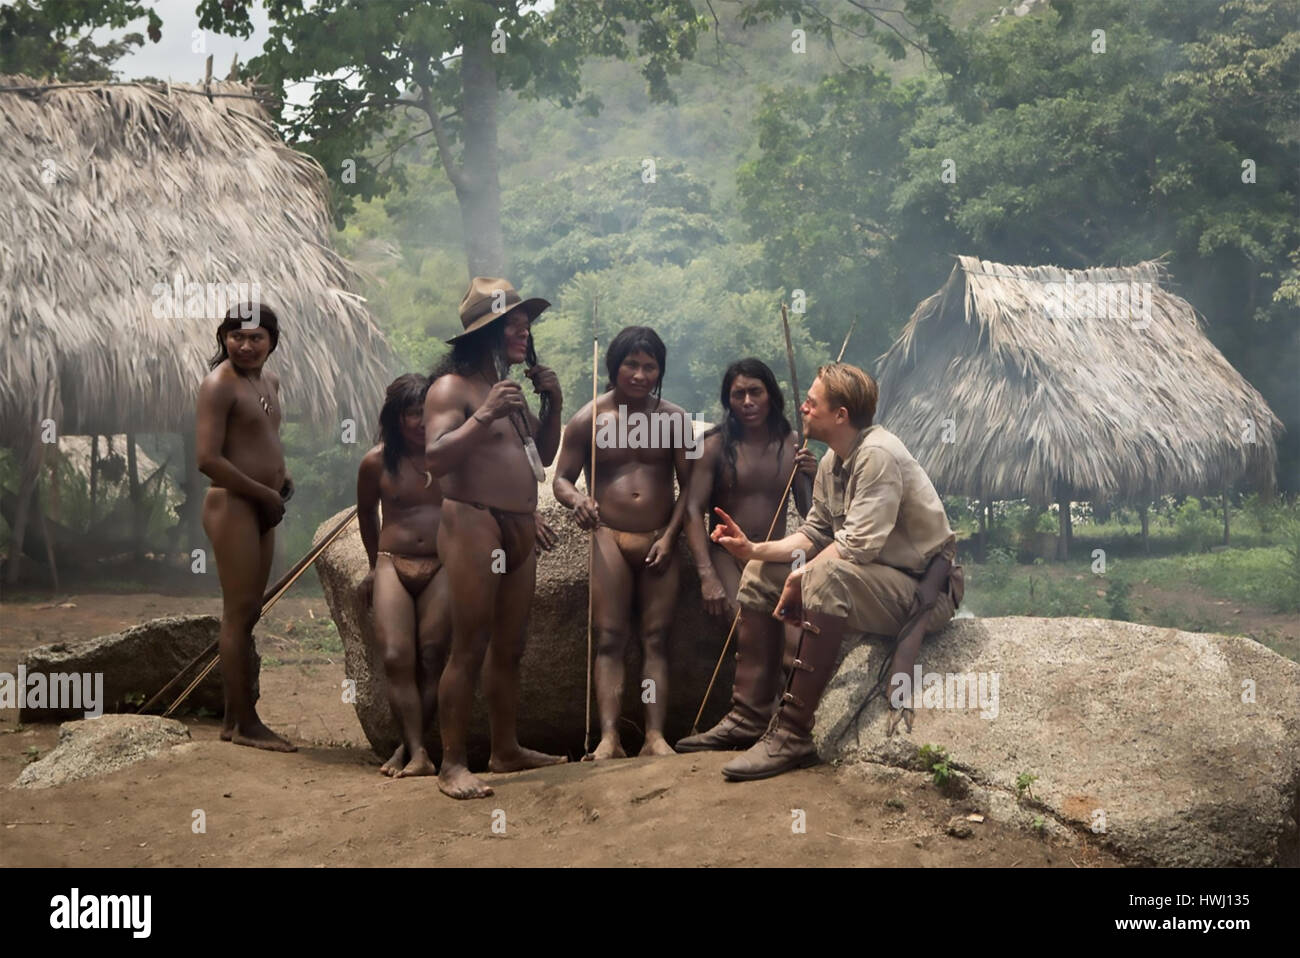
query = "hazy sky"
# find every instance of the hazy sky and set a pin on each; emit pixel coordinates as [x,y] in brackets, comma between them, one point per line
[172,58]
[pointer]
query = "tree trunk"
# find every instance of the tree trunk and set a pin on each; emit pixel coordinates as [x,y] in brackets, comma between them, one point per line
[479,189]
[984,532]
[1146,528]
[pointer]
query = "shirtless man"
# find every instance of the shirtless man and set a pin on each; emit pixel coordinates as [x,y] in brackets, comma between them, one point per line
[406,584]
[239,449]
[488,530]
[743,470]
[636,523]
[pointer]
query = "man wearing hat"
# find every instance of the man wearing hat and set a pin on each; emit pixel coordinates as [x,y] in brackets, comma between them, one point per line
[487,450]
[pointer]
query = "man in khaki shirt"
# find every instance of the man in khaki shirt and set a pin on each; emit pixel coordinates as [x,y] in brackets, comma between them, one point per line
[852,567]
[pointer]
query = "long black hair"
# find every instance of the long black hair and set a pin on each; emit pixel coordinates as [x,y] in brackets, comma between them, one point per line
[254,314]
[778,426]
[467,356]
[403,393]
[636,339]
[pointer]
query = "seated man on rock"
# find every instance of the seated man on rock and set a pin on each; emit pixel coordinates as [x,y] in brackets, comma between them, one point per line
[876,527]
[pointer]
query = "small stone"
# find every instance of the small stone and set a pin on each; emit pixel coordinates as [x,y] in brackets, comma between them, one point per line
[959,827]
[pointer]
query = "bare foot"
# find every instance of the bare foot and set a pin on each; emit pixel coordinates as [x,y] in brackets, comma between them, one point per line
[394,764]
[418,765]
[259,736]
[656,745]
[227,733]
[523,758]
[456,781]
[609,747]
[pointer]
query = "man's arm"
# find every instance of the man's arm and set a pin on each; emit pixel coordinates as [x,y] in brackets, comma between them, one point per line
[547,430]
[730,536]
[450,435]
[368,501]
[573,456]
[873,509]
[661,551]
[698,492]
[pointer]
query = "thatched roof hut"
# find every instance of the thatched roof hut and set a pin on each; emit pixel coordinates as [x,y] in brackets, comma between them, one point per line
[131,216]
[1084,384]
[108,193]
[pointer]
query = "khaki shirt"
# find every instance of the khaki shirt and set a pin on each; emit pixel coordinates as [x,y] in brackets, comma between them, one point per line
[877,505]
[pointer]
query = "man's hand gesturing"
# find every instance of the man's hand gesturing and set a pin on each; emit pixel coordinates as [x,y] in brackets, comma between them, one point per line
[729,535]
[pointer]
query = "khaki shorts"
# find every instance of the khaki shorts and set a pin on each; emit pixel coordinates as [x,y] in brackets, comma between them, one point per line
[873,598]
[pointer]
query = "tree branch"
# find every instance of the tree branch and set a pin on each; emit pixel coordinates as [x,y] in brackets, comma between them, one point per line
[457,176]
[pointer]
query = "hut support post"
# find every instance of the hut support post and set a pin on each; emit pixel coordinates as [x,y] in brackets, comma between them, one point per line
[984,531]
[1225,515]
[49,538]
[134,476]
[1063,547]
[94,473]
[31,470]
[1146,528]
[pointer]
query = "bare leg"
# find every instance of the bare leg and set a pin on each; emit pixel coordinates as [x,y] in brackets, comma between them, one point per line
[433,637]
[469,535]
[501,672]
[394,618]
[657,592]
[611,585]
[728,570]
[243,553]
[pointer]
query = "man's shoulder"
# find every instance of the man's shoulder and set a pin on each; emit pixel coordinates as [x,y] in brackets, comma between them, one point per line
[879,441]
[670,408]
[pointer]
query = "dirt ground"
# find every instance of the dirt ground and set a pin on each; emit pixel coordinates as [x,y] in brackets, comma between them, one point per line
[328,805]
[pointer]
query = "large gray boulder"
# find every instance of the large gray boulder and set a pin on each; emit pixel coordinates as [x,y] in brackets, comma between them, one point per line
[553,681]
[91,747]
[1173,748]
[136,661]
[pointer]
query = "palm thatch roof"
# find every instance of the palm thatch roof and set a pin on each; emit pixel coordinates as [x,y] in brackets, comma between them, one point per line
[1047,402]
[107,193]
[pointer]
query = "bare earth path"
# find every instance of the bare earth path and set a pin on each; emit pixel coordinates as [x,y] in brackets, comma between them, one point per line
[328,805]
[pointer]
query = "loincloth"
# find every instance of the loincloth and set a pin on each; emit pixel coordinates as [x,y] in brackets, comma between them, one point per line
[634,546]
[414,572]
[518,530]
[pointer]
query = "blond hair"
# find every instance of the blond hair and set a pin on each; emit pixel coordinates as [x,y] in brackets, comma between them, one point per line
[850,387]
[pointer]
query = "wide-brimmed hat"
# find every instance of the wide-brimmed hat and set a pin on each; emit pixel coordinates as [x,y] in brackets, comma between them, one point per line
[487,291]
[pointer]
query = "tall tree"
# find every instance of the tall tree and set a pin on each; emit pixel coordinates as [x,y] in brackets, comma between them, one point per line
[50,39]
[446,62]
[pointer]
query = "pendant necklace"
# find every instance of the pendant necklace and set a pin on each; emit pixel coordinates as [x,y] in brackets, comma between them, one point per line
[266,405]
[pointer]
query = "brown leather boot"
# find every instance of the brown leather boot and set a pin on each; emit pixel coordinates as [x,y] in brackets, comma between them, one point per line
[753,696]
[788,744]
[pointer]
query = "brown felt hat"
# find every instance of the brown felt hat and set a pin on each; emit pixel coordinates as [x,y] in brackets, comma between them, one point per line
[485,292]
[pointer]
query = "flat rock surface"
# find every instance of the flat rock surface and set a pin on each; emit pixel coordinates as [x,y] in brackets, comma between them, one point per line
[1174,748]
